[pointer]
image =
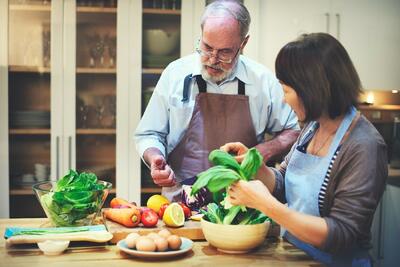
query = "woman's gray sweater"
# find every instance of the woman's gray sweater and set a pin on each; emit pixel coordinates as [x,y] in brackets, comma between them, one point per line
[355,187]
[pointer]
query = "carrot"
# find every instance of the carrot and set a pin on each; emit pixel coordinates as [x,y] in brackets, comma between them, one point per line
[129,217]
[121,203]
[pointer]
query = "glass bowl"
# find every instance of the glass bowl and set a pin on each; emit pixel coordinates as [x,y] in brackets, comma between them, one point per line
[71,208]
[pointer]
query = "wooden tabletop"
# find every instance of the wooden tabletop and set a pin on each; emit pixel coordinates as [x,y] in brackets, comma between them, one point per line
[274,252]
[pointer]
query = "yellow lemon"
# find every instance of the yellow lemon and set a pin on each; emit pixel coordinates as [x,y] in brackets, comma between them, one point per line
[156,201]
[174,215]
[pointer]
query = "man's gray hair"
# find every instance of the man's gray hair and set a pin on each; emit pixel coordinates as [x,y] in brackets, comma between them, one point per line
[229,8]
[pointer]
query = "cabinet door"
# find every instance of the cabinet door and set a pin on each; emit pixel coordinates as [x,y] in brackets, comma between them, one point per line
[89,109]
[370,31]
[161,44]
[30,93]
[283,21]
[391,231]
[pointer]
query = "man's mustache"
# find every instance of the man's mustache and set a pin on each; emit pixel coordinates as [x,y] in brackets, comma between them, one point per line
[214,67]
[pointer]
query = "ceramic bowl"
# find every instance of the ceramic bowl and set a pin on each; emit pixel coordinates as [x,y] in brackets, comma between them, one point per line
[234,238]
[53,247]
[159,42]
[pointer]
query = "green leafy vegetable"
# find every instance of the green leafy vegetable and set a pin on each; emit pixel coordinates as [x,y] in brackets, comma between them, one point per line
[74,197]
[251,163]
[218,178]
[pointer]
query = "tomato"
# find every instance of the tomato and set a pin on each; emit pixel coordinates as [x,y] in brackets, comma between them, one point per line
[162,209]
[149,218]
[143,209]
[186,210]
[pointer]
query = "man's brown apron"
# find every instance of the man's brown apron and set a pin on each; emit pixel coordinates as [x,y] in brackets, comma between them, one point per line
[216,120]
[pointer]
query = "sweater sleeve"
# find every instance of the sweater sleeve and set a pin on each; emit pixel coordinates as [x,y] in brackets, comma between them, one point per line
[361,177]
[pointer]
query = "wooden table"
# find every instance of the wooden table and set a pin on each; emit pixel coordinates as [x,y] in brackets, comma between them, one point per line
[274,252]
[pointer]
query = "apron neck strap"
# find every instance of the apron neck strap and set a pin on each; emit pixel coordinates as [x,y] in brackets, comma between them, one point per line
[202,85]
[344,126]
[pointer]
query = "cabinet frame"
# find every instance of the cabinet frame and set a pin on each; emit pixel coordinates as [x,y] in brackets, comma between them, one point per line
[4,161]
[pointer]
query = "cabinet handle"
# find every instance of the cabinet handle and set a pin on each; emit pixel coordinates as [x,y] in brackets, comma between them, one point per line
[381,235]
[338,26]
[57,157]
[69,151]
[328,22]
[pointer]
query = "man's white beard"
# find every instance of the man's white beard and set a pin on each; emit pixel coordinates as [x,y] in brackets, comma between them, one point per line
[218,78]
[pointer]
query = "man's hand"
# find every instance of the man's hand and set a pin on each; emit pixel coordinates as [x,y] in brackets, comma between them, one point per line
[160,171]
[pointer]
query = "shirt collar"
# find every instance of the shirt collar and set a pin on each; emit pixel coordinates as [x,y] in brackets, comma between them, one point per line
[240,71]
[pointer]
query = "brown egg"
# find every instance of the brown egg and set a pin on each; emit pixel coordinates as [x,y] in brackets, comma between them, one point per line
[145,244]
[174,242]
[153,235]
[130,240]
[161,244]
[164,233]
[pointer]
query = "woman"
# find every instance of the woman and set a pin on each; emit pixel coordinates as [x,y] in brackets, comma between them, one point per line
[334,175]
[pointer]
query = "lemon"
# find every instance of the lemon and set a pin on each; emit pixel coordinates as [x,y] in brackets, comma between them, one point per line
[174,215]
[156,201]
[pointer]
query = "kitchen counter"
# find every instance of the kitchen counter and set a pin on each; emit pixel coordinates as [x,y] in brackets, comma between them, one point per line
[274,252]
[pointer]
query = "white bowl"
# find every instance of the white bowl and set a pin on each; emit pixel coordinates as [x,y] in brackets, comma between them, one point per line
[158,42]
[53,247]
[234,239]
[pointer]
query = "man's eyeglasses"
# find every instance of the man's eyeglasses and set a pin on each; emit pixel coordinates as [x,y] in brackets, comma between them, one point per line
[223,55]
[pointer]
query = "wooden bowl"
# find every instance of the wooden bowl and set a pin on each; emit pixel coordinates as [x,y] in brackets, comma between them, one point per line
[234,239]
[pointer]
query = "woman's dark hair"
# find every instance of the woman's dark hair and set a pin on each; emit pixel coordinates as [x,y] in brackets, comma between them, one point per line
[321,72]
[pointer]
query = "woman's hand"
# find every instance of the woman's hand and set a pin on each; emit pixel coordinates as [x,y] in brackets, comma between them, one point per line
[236,148]
[253,194]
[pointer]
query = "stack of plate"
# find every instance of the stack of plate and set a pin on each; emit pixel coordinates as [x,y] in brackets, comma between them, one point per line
[30,119]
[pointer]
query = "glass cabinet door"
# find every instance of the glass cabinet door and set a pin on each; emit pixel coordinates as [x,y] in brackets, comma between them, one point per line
[29,102]
[96,51]
[161,35]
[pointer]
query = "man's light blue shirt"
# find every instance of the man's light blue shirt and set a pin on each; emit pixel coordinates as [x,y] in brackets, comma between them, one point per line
[167,117]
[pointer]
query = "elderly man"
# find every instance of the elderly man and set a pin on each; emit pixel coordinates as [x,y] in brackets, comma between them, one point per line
[209,98]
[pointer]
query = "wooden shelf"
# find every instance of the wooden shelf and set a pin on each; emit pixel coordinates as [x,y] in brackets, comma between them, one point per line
[96,71]
[29,131]
[152,70]
[95,131]
[151,190]
[158,11]
[379,107]
[41,8]
[35,69]
[26,191]
[89,9]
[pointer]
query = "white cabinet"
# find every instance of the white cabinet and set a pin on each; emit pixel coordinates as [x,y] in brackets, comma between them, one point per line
[87,91]
[368,29]
[385,228]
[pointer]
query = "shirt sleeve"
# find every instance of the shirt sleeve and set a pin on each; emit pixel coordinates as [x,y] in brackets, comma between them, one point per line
[280,115]
[363,171]
[153,128]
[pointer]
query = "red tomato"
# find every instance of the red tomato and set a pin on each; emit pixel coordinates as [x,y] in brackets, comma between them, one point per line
[186,210]
[143,209]
[162,209]
[149,218]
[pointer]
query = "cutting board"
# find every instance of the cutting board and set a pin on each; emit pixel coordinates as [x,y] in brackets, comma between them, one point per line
[191,230]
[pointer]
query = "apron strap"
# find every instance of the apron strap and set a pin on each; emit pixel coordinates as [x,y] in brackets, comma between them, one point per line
[186,84]
[241,89]
[201,83]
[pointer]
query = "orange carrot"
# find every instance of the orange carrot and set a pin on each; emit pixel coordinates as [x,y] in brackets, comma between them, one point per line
[120,202]
[129,217]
